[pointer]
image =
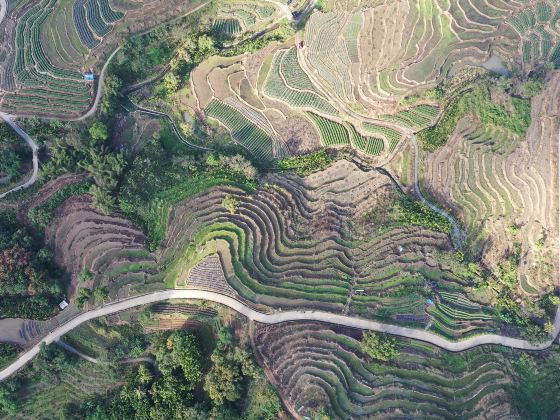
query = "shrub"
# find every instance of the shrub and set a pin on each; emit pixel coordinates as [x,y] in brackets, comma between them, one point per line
[231,204]
[379,347]
[307,164]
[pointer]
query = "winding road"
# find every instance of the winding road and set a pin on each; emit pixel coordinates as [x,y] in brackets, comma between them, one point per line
[100,82]
[274,318]
[8,119]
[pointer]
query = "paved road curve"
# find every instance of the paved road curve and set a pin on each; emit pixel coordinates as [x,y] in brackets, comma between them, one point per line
[274,318]
[34,148]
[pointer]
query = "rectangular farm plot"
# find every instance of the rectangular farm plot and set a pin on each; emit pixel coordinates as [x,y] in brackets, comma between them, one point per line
[332,133]
[242,130]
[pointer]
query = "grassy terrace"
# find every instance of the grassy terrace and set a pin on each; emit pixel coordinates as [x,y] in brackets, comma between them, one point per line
[277,260]
[422,381]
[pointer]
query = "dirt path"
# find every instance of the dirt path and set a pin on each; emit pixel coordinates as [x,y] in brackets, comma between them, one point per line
[75,351]
[8,119]
[100,82]
[126,360]
[274,318]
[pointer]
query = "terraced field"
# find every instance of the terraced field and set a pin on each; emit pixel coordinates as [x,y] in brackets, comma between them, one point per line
[235,17]
[493,179]
[289,244]
[374,56]
[47,398]
[321,366]
[537,26]
[245,132]
[47,46]
[109,246]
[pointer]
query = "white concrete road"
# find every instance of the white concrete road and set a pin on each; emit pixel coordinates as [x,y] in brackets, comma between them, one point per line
[273,318]
[8,119]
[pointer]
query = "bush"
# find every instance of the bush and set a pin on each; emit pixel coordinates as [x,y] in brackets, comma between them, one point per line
[407,212]
[307,164]
[231,204]
[379,347]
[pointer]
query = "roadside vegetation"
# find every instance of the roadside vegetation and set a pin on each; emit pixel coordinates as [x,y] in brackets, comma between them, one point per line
[199,373]
[30,283]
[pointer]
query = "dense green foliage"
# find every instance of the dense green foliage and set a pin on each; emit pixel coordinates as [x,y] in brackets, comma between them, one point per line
[163,394]
[183,43]
[79,150]
[158,178]
[29,280]
[307,164]
[283,32]
[407,212]
[43,214]
[8,352]
[536,389]
[512,113]
[13,151]
[379,347]
[173,386]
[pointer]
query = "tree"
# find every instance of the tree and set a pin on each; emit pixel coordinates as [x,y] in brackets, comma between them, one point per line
[98,132]
[240,165]
[101,293]
[86,275]
[264,403]
[205,45]
[379,347]
[83,296]
[179,350]
[230,366]
[532,88]
[102,200]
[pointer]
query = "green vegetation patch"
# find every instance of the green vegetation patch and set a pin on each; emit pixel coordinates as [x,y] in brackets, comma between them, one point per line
[514,114]
[307,164]
[43,214]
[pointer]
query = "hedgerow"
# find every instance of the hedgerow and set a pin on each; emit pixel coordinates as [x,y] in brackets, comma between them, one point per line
[307,164]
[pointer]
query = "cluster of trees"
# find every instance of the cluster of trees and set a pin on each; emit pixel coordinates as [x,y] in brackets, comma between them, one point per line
[13,151]
[80,151]
[234,385]
[536,387]
[307,164]
[408,212]
[29,285]
[379,347]
[514,113]
[99,294]
[283,32]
